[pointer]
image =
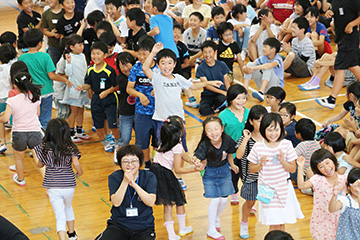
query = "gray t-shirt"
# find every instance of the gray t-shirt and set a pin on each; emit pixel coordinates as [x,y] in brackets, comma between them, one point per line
[305,50]
[194,43]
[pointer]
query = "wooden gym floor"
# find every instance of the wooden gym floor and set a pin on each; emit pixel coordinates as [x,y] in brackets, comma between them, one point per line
[29,207]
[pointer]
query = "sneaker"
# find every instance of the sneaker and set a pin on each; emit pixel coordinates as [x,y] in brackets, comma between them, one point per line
[253,210]
[31,154]
[110,140]
[221,107]
[258,95]
[3,148]
[75,139]
[175,238]
[234,200]
[87,106]
[325,103]
[182,184]
[216,235]
[186,231]
[12,168]
[307,191]
[309,87]
[193,104]
[72,236]
[82,136]
[93,129]
[16,180]
[244,231]
[109,148]
[304,84]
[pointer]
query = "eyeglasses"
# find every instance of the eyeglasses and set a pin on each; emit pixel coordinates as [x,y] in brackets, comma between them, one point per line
[284,115]
[130,162]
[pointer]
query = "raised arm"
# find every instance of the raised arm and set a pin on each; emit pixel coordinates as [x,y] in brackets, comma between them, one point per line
[300,177]
[147,64]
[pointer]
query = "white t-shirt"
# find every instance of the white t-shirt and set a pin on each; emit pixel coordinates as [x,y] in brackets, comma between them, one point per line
[235,22]
[263,35]
[5,85]
[345,201]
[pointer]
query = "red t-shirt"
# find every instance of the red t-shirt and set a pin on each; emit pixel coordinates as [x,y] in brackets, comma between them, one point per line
[282,9]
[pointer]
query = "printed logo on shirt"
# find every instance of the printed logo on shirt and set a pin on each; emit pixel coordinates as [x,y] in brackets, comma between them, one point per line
[143,81]
[130,100]
[171,84]
[227,53]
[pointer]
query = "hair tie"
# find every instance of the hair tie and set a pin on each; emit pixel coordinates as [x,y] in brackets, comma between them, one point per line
[230,11]
[166,120]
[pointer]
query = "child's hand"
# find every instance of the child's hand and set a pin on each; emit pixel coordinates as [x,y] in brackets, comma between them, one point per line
[246,133]
[300,161]
[157,47]
[84,23]
[69,84]
[349,159]
[263,161]
[247,70]
[286,47]
[326,123]
[235,169]
[152,93]
[350,124]
[329,14]
[103,94]
[54,31]
[348,29]
[78,174]
[108,18]
[144,100]
[215,83]
[68,58]
[80,87]
[337,188]
[318,64]
[281,157]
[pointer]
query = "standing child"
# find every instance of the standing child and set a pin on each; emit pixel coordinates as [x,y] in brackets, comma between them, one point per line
[169,192]
[71,21]
[215,150]
[274,97]
[113,9]
[287,113]
[275,156]
[26,130]
[57,152]
[249,189]
[324,165]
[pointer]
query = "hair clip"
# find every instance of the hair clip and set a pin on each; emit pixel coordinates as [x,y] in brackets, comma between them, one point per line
[166,120]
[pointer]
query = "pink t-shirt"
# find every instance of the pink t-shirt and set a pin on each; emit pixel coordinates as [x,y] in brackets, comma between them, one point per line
[323,224]
[273,174]
[167,159]
[25,118]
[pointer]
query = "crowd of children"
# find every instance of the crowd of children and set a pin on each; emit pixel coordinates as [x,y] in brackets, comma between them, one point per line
[129,61]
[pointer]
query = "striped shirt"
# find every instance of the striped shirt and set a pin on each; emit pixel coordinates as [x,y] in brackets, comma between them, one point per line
[305,50]
[57,176]
[246,176]
[273,174]
[306,149]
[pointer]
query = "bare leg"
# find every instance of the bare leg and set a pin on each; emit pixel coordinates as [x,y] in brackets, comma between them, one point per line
[2,134]
[167,213]
[338,82]
[62,235]
[253,52]
[264,84]
[71,226]
[72,117]
[80,116]
[101,133]
[246,208]
[288,60]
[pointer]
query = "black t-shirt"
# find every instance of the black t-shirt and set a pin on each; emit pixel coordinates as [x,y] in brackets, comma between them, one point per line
[126,102]
[226,53]
[133,39]
[145,218]
[227,146]
[67,27]
[94,78]
[183,54]
[90,37]
[26,21]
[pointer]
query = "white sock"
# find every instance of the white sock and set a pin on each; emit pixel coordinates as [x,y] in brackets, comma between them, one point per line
[181,220]
[212,212]
[170,229]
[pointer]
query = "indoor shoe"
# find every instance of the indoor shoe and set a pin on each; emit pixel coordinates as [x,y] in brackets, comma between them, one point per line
[3,148]
[309,87]
[258,95]
[175,238]
[244,231]
[12,168]
[82,136]
[234,200]
[72,236]
[75,139]
[193,104]
[325,103]
[109,148]
[215,235]
[253,210]
[186,231]
[16,180]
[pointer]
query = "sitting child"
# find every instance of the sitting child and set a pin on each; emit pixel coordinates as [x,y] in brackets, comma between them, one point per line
[217,16]
[274,97]
[287,112]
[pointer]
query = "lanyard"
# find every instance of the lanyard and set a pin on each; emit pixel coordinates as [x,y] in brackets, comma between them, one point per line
[132,198]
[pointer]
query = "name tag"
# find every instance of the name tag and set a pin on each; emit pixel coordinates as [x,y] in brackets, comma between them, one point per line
[341,11]
[102,83]
[54,21]
[131,212]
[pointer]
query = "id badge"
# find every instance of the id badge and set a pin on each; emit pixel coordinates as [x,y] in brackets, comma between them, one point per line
[131,212]
[102,85]
[341,11]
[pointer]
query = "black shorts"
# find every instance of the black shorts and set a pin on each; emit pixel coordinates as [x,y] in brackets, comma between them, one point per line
[347,57]
[102,109]
[23,140]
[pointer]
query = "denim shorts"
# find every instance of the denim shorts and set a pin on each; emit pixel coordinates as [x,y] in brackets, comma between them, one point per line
[22,140]
[217,181]
[145,127]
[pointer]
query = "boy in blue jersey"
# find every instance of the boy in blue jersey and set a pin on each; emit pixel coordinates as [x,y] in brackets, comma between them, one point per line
[140,86]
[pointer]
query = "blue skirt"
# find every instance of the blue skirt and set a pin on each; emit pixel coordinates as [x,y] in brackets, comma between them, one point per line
[217,181]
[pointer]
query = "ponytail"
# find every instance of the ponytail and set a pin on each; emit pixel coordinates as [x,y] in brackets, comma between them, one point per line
[23,81]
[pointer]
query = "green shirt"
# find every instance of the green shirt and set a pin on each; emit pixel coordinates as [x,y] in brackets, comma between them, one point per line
[232,126]
[49,21]
[39,65]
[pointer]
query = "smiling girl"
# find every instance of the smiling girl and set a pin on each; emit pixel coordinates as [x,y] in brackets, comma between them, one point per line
[71,21]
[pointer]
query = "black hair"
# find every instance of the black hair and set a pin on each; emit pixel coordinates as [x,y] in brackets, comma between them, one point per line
[305,4]
[198,15]
[57,140]
[136,14]
[99,45]
[164,53]
[278,235]
[7,53]
[71,40]
[217,11]
[277,92]
[132,2]
[24,83]
[170,135]
[178,26]
[104,25]
[108,38]
[314,11]
[16,67]
[289,107]
[233,91]
[273,43]
[353,176]
[116,3]
[8,37]
[262,12]
[209,43]
[354,88]
[20,2]
[32,37]
[160,5]
[180,120]
[146,43]
[336,141]
[256,112]
[306,128]
[210,148]
[124,58]
[223,27]
[320,155]
[267,120]
[236,9]
[130,150]
[302,23]
[94,17]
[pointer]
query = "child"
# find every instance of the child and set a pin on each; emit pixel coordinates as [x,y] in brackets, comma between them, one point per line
[7,58]
[281,9]
[348,205]
[197,6]
[274,97]
[126,109]
[105,26]
[217,16]
[26,131]
[169,192]
[251,135]
[27,19]
[228,50]
[42,70]
[287,113]
[301,55]
[215,151]
[135,19]
[267,71]
[101,79]
[110,40]
[324,165]
[113,9]
[275,156]
[71,21]
[213,99]
[8,37]
[175,12]
[277,235]
[50,18]
[57,152]
[75,69]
